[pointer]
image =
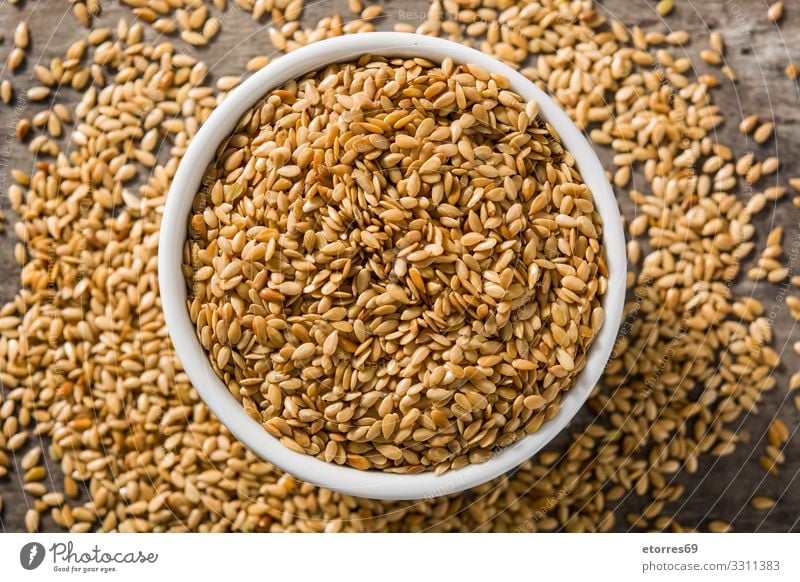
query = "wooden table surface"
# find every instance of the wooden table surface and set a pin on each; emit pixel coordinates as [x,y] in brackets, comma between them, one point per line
[757,50]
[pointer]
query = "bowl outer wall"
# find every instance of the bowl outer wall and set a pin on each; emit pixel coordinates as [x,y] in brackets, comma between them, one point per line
[188,179]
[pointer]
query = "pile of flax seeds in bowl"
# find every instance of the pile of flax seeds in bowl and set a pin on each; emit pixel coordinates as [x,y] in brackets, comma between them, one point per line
[91,387]
[395,265]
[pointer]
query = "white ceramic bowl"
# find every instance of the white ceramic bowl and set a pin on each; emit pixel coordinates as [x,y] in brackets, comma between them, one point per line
[372,484]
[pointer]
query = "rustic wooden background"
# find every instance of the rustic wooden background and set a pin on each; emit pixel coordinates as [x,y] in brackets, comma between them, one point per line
[757,50]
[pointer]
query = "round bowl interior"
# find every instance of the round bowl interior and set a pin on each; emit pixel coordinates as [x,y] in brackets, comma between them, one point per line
[372,484]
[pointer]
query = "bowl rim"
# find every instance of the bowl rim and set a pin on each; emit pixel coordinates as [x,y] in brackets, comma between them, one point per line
[188,178]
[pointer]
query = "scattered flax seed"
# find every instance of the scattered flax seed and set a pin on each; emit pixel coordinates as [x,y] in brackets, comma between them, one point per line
[228,82]
[744,164]
[775,193]
[34,474]
[22,128]
[82,14]
[793,303]
[15,58]
[371,12]
[770,166]
[22,35]
[719,526]
[717,43]
[450,315]
[6,91]
[774,239]
[778,433]
[728,72]
[748,124]
[31,458]
[761,503]
[38,93]
[257,63]
[711,57]
[753,174]
[32,521]
[777,436]
[664,7]
[775,12]
[45,75]
[776,454]
[194,38]
[768,266]
[17,440]
[33,488]
[211,28]
[763,132]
